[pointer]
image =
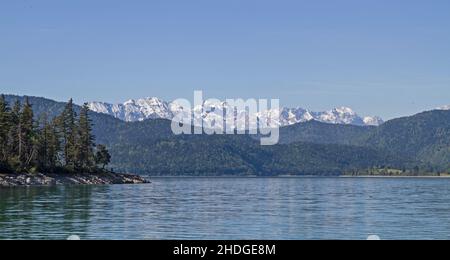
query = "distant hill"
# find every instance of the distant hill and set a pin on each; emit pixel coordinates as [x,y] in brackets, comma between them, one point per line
[323,133]
[241,155]
[424,137]
[40,105]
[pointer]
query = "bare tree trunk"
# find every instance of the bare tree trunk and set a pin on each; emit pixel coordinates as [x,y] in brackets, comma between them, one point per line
[19,130]
[32,154]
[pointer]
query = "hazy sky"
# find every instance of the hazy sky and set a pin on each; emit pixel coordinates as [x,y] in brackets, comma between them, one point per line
[380,57]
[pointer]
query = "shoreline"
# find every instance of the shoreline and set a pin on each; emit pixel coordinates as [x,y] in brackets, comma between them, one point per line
[406,176]
[52,179]
[288,176]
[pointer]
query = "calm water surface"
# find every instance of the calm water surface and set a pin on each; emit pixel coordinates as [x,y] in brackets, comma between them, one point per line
[232,208]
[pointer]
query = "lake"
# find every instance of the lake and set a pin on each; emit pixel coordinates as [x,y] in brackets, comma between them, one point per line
[232,208]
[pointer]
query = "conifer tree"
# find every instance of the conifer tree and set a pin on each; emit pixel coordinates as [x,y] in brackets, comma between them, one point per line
[42,144]
[68,129]
[48,145]
[54,145]
[85,141]
[27,149]
[5,125]
[14,135]
[64,144]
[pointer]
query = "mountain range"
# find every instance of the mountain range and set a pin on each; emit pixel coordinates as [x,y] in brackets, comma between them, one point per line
[420,141]
[444,108]
[155,108]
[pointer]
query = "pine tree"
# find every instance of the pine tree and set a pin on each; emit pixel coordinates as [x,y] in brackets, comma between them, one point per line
[14,136]
[43,143]
[68,129]
[42,161]
[64,144]
[49,145]
[54,146]
[85,141]
[5,124]
[27,141]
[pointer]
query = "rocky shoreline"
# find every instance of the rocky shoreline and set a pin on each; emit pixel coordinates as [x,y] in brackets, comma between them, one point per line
[40,179]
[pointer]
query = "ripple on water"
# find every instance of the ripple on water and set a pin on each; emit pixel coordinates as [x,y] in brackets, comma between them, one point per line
[232,208]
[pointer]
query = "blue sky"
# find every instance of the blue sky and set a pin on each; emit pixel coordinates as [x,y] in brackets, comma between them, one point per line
[387,58]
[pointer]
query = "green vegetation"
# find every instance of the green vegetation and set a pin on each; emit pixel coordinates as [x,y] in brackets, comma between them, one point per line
[392,172]
[240,155]
[424,138]
[417,145]
[63,144]
[323,133]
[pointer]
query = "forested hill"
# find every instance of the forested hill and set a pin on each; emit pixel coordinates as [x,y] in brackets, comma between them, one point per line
[311,148]
[322,133]
[41,105]
[424,137]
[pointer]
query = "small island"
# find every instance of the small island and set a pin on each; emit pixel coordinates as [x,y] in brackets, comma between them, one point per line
[52,151]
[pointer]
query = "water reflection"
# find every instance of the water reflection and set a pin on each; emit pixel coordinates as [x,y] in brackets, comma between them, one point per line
[50,212]
[202,208]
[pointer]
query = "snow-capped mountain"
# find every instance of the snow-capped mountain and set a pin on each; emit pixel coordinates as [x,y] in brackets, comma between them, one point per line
[135,110]
[444,108]
[373,120]
[153,108]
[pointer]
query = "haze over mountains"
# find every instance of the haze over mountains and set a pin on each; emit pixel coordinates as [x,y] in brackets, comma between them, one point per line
[155,108]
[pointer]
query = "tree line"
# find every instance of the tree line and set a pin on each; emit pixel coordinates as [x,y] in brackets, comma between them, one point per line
[64,144]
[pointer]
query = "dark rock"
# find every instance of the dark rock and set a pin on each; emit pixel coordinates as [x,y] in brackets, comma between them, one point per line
[39,179]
